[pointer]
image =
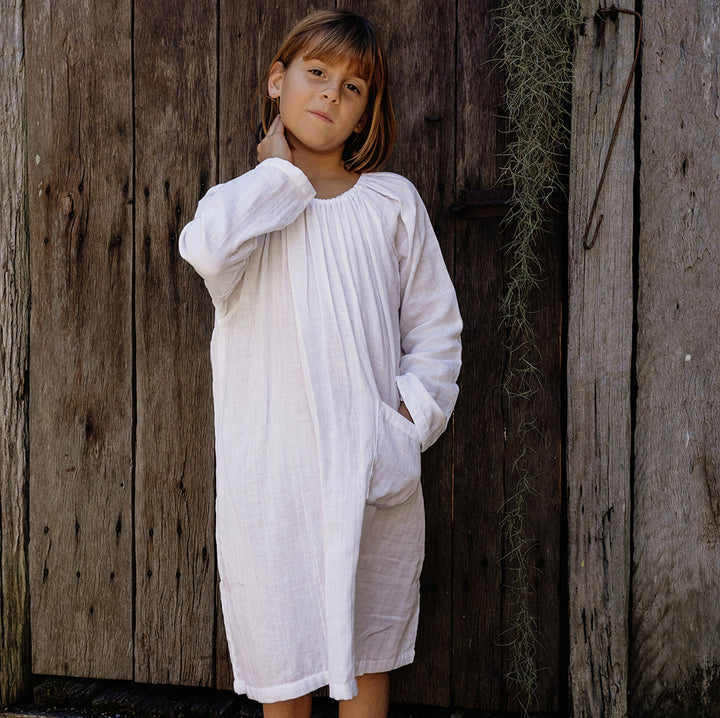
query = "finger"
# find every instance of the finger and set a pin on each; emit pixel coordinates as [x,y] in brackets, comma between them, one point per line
[277,126]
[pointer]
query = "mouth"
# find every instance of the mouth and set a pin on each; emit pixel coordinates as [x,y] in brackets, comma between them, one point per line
[321,115]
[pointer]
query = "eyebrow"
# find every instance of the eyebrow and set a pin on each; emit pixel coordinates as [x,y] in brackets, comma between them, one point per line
[355,74]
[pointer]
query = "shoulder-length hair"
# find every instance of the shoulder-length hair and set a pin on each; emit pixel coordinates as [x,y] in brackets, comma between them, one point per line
[328,35]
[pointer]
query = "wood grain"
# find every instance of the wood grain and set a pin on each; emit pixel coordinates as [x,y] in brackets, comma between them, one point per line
[600,328]
[175,93]
[485,425]
[478,494]
[79,96]
[676,563]
[122,470]
[14,360]
[541,446]
[479,474]
[250,35]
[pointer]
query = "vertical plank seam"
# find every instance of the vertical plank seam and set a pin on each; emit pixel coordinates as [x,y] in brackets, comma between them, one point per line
[26,213]
[217,91]
[503,697]
[216,592]
[12,685]
[633,351]
[133,351]
[451,688]
[27,678]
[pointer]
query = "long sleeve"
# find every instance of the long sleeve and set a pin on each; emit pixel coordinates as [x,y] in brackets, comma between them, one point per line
[430,325]
[232,217]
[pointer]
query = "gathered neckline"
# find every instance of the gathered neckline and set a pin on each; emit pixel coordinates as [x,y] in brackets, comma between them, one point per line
[343,195]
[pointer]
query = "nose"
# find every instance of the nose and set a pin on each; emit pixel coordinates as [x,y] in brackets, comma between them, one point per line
[331,93]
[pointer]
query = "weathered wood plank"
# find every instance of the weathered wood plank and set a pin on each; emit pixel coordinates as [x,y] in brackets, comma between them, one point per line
[175,113]
[80,187]
[487,446]
[675,655]
[250,35]
[14,345]
[534,439]
[425,111]
[479,473]
[600,320]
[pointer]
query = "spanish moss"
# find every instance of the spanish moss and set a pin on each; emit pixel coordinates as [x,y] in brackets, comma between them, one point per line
[536,50]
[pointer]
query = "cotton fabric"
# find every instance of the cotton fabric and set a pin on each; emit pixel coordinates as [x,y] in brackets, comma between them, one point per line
[328,314]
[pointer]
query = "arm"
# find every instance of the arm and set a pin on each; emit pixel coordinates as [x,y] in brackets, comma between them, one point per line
[430,325]
[232,217]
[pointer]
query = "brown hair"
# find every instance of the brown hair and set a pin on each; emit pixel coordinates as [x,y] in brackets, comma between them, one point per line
[327,35]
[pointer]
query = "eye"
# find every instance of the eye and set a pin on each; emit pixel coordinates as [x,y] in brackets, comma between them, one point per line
[352,88]
[316,71]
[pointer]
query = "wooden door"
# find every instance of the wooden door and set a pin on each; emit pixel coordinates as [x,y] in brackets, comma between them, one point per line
[135,109]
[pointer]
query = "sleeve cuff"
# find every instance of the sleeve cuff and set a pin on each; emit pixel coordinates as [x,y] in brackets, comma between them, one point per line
[429,418]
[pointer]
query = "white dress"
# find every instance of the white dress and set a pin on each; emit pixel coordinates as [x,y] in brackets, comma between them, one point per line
[328,313]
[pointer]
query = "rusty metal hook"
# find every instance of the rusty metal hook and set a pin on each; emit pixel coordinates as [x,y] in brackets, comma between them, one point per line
[613,12]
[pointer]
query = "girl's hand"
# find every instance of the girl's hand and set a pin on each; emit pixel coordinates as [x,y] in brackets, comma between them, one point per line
[404,411]
[275,144]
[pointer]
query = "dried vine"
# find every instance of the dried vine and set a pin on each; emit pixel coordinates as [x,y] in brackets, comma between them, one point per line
[536,46]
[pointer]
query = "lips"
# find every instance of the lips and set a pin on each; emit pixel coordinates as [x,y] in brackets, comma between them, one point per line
[321,115]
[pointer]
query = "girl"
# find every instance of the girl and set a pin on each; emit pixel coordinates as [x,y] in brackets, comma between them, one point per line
[335,354]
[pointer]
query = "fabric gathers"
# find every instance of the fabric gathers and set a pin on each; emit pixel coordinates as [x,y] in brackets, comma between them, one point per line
[328,314]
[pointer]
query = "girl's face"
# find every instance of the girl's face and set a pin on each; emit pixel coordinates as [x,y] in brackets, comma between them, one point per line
[321,102]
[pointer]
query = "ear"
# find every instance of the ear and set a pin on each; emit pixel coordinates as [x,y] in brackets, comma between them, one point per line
[275,79]
[361,125]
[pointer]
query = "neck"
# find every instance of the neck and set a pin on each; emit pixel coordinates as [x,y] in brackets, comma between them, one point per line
[326,172]
[319,167]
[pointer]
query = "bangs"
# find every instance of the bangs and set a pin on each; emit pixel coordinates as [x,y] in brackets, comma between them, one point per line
[331,44]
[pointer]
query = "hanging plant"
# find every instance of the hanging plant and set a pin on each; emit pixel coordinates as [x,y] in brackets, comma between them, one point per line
[536,49]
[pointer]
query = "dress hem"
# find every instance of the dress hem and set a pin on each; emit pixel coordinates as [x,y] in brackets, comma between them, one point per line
[338,691]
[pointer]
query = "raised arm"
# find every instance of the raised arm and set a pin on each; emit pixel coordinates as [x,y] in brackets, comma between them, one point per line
[232,217]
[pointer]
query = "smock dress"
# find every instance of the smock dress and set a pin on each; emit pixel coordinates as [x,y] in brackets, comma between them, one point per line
[328,314]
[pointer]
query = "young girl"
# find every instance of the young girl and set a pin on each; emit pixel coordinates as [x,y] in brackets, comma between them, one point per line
[335,355]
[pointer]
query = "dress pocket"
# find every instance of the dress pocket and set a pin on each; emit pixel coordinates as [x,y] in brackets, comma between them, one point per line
[396,465]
